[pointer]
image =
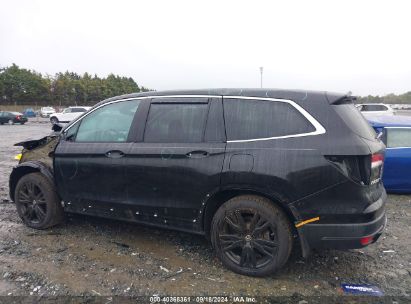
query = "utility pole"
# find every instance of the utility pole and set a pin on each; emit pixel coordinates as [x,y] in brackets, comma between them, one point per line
[261,77]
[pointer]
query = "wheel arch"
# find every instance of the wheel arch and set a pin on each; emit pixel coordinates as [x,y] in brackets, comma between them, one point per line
[215,201]
[24,169]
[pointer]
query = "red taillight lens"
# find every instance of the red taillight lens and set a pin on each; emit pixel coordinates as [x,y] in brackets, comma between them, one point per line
[375,158]
[18,116]
[366,240]
[377,161]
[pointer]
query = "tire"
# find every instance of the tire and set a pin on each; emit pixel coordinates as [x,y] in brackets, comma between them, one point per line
[10,122]
[54,120]
[37,202]
[251,236]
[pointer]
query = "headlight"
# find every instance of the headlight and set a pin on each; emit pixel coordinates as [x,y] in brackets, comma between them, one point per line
[18,156]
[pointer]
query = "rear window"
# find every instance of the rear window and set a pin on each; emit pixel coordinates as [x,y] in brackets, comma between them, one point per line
[254,119]
[354,120]
[398,137]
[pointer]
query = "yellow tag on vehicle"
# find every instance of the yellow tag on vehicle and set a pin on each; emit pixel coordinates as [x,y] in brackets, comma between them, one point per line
[18,156]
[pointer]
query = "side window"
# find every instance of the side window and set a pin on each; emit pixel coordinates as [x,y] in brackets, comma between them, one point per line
[70,135]
[110,123]
[398,137]
[176,122]
[78,110]
[376,108]
[254,119]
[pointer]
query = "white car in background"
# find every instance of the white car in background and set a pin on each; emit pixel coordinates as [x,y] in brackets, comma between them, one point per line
[68,114]
[47,111]
[375,109]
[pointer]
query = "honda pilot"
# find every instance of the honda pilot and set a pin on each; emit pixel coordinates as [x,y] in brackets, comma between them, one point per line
[255,171]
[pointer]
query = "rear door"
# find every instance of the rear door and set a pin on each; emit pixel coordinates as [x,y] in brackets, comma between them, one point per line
[176,162]
[397,166]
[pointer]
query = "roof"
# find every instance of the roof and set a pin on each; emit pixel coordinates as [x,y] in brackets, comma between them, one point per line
[295,95]
[390,121]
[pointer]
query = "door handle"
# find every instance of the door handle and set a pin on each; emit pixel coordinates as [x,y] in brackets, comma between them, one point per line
[115,154]
[197,154]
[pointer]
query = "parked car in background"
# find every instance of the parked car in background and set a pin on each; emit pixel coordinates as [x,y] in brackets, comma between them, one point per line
[255,171]
[47,111]
[396,134]
[375,109]
[68,114]
[12,118]
[29,112]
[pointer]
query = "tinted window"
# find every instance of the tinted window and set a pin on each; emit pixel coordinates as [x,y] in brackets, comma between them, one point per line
[374,108]
[175,122]
[110,123]
[398,137]
[77,110]
[354,120]
[253,119]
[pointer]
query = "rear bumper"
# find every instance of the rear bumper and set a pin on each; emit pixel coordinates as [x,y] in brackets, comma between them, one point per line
[346,235]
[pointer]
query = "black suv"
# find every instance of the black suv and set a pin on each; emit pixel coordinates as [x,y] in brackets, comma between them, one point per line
[252,170]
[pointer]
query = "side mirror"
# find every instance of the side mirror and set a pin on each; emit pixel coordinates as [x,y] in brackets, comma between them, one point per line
[57,127]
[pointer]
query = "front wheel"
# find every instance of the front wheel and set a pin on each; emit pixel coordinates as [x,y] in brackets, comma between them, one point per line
[251,236]
[37,202]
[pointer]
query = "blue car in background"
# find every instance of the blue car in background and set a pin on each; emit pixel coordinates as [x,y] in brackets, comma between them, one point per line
[29,112]
[396,134]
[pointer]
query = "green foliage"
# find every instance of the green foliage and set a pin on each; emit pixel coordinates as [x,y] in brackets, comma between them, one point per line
[22,86]
[390,98]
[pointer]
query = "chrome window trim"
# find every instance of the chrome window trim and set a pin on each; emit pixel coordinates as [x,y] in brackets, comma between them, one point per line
[319,129]
[136,98]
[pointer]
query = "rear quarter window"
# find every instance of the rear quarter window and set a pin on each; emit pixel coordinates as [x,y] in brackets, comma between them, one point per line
[256,119]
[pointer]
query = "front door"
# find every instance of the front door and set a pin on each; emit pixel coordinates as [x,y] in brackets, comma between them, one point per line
[89,159]
[177,163]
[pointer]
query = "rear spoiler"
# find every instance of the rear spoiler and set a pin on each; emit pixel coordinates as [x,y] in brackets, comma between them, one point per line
[337,99]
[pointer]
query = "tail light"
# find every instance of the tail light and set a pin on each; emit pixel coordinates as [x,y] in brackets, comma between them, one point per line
[18,117]
[366,170]
[377,162]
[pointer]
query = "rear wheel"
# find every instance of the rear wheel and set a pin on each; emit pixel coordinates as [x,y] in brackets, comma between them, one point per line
[251,236]
[10,122]
[37,202]
[54,120]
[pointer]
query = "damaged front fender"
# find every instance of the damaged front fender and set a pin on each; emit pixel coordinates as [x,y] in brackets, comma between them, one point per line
[26,168]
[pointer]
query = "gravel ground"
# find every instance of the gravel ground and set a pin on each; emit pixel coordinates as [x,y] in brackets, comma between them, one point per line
[90,257]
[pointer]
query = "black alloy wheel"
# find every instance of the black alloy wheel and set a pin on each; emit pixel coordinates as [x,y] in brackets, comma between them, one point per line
[33,201]
[37,202]
[251,235]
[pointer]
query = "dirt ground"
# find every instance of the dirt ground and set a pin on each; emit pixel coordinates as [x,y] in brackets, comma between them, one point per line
[90,257]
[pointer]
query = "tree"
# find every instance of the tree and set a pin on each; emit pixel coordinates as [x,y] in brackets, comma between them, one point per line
[22,86]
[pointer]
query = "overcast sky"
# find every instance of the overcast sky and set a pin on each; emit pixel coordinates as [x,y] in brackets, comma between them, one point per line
[358,46]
